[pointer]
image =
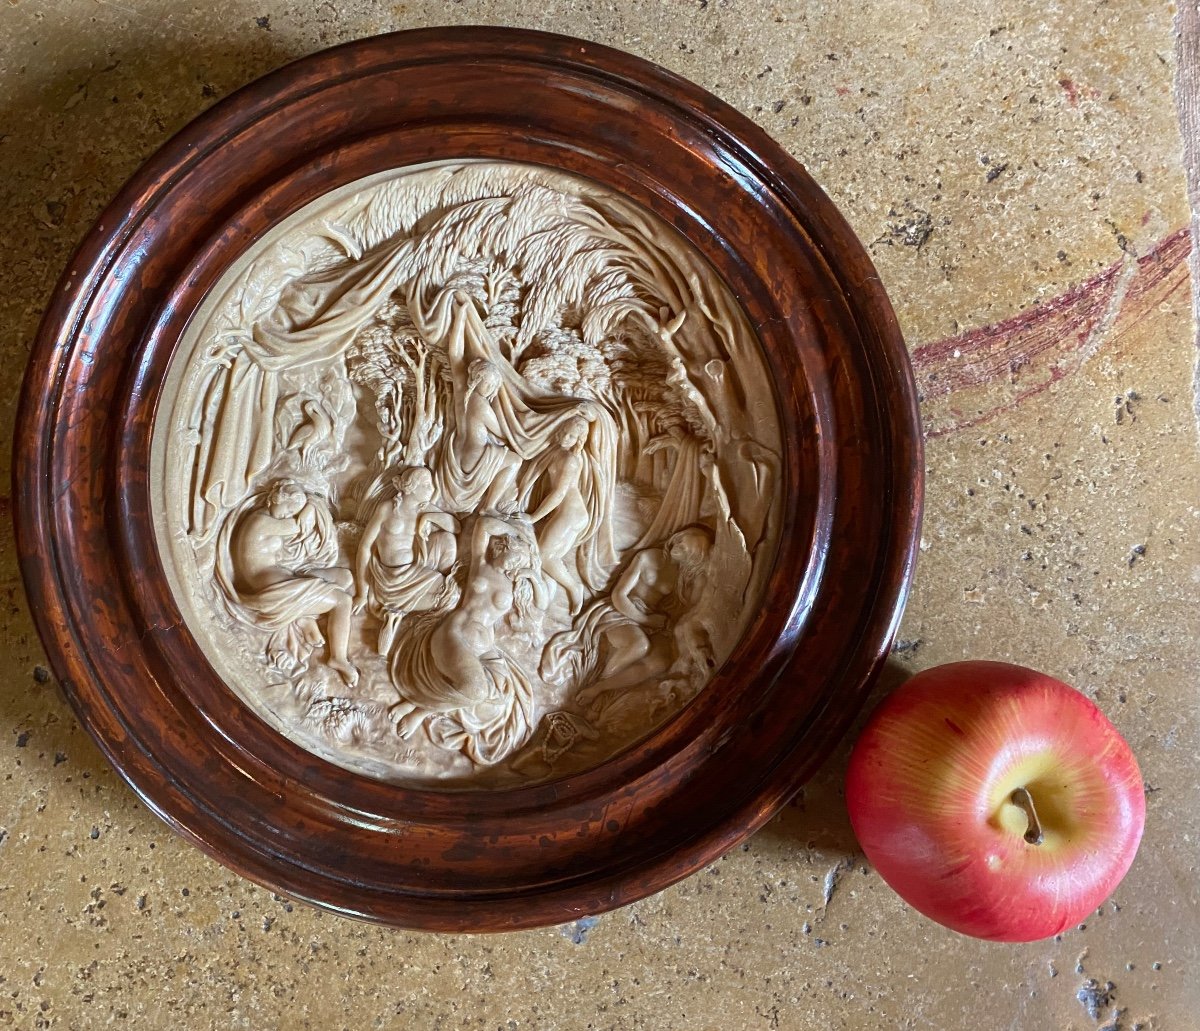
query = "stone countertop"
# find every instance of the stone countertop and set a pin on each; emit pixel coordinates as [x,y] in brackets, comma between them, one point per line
[1018,172]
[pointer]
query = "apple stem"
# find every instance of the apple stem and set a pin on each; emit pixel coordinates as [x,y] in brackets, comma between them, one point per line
[1033,834]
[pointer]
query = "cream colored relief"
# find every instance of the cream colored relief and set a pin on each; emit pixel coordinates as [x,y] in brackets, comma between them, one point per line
[468,474]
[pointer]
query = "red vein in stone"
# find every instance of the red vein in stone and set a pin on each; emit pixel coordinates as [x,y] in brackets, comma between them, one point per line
[1021,356]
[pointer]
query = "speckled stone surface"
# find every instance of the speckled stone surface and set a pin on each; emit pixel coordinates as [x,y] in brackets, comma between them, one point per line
[1018,172]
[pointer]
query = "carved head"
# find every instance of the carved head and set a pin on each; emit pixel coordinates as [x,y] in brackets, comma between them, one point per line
[285,499]
[690,546]
[509,553]
[571,434]
[484,377]
[414,481]
[689,549]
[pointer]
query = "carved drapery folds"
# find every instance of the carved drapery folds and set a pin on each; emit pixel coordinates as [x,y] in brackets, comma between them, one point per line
[469,474]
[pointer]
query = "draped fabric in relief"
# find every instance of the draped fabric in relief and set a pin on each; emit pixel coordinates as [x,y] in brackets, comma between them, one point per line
[315,320]
[529,420]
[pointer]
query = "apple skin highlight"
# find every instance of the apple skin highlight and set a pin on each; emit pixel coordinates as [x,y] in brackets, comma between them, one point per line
[930,793]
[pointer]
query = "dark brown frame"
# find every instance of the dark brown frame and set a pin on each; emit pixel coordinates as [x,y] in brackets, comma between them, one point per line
[468,860]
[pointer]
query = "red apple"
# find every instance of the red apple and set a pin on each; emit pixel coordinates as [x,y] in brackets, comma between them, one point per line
[996,800]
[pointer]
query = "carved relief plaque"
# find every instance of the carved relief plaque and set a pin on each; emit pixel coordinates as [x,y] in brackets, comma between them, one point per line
[467,475]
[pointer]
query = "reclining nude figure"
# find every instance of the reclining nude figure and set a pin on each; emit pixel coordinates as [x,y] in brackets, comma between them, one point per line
[450,669]
[660,589]
[406,554]
[273,567]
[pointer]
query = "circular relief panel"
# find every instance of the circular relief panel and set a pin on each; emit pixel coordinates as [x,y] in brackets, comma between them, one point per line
[468,479]
[468,475]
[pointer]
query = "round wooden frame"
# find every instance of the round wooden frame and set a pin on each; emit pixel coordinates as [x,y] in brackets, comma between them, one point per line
[491,860]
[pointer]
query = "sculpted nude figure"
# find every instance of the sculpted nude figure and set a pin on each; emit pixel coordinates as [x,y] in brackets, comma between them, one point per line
[499,557]
[406,550]
[660,584]
[456,667]
[272,578]
[564,511]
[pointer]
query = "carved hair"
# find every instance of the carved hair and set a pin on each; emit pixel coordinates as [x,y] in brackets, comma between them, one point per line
[502,546]
[689,549]
[479,370]
[284,488]
[523,600]
[406,479]
[577,423]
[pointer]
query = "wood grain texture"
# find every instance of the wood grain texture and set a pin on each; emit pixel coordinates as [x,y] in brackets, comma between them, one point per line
[468,860]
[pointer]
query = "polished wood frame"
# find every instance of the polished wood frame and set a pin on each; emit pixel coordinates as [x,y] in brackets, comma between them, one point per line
[468,860]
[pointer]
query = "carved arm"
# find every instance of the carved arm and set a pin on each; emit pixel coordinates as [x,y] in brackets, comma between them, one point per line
[561,484]
[456,346]
[363,557]
[442,520]
[486,527]
[632,607]
[306,520]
